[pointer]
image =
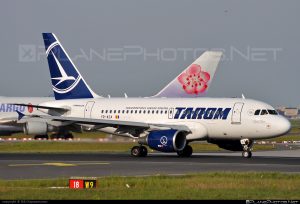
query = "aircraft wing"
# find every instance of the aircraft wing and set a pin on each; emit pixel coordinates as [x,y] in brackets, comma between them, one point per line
[121,125]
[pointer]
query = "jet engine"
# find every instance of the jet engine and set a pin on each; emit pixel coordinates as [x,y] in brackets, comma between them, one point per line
[165,140]
[36,128]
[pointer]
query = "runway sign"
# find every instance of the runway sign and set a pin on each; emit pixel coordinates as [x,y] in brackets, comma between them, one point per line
[82,183]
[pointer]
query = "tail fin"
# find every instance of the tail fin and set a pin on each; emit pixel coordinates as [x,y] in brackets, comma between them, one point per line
[67,82]
[195,80]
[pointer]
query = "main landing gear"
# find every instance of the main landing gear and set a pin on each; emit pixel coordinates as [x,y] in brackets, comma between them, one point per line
[186,152]
[65,136]
[37,137]
[139,151]
[247,147]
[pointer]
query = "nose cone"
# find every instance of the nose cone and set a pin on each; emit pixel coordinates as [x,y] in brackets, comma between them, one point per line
[283,125]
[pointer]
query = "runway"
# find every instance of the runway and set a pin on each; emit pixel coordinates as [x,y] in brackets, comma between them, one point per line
[40,166]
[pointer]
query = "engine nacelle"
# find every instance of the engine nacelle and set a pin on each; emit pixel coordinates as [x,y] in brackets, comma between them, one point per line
[36,128]
[165,140]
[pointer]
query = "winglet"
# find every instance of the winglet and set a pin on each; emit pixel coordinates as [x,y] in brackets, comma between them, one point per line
[20,115]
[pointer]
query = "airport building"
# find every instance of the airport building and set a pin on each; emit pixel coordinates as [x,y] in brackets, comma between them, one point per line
[289,112]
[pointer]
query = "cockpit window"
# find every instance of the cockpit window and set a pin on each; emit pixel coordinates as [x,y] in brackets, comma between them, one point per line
[257,112]
[272,112]
[264,112]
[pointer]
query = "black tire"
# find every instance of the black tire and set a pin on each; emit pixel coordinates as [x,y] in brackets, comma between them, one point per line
[144,151]
[247,154]
[250,155]
[136,151]
[36,137]
[68,136]
[186,152]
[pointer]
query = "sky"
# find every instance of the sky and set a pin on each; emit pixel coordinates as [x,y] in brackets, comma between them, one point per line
[138,46]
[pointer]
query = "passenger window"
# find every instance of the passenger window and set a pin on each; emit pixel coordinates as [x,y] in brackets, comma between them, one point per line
[115,111]
[166,112]
[102,111]
[153,112]
[148,111]
[135,111]
[127,111]
[264,112]
[119,111]
[106,111]
[110,111]
[131,111]
[257,112]
[123,111]
[157,112]
[161,112]
[144,111]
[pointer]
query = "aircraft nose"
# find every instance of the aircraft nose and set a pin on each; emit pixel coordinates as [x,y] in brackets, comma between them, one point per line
[283,125]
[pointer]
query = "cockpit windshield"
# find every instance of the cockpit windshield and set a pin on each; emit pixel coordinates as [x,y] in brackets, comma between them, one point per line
[272,112]
[265,112]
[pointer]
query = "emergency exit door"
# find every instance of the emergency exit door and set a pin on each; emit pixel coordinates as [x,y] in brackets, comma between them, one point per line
[88,109]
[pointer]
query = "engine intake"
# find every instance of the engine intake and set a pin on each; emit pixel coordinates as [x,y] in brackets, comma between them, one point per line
[165,140]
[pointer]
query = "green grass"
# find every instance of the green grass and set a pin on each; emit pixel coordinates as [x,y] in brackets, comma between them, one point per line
[66,146]
[221,185]
[286,138]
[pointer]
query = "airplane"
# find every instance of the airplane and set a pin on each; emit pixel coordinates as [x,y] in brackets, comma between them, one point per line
[162,123]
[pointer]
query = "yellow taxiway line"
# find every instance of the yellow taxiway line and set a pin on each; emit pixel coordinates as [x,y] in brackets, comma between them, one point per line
[59,164]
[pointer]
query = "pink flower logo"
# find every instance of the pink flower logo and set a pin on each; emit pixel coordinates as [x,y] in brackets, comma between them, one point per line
[194,80]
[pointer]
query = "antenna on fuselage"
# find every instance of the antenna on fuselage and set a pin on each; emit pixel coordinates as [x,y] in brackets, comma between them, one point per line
[243,97]
[125,95]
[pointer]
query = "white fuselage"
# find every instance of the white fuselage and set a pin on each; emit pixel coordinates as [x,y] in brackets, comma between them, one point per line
[199,114]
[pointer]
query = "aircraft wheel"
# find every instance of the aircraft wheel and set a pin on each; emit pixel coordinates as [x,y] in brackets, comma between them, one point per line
[144,151]
[68,136]
[186,152]
[36,137]
[247,154]
[136,151]
[139,151]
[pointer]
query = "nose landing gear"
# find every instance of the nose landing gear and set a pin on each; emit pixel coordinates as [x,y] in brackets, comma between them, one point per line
[247,147]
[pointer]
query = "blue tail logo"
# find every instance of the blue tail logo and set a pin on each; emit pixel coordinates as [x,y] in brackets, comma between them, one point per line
[67,82]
